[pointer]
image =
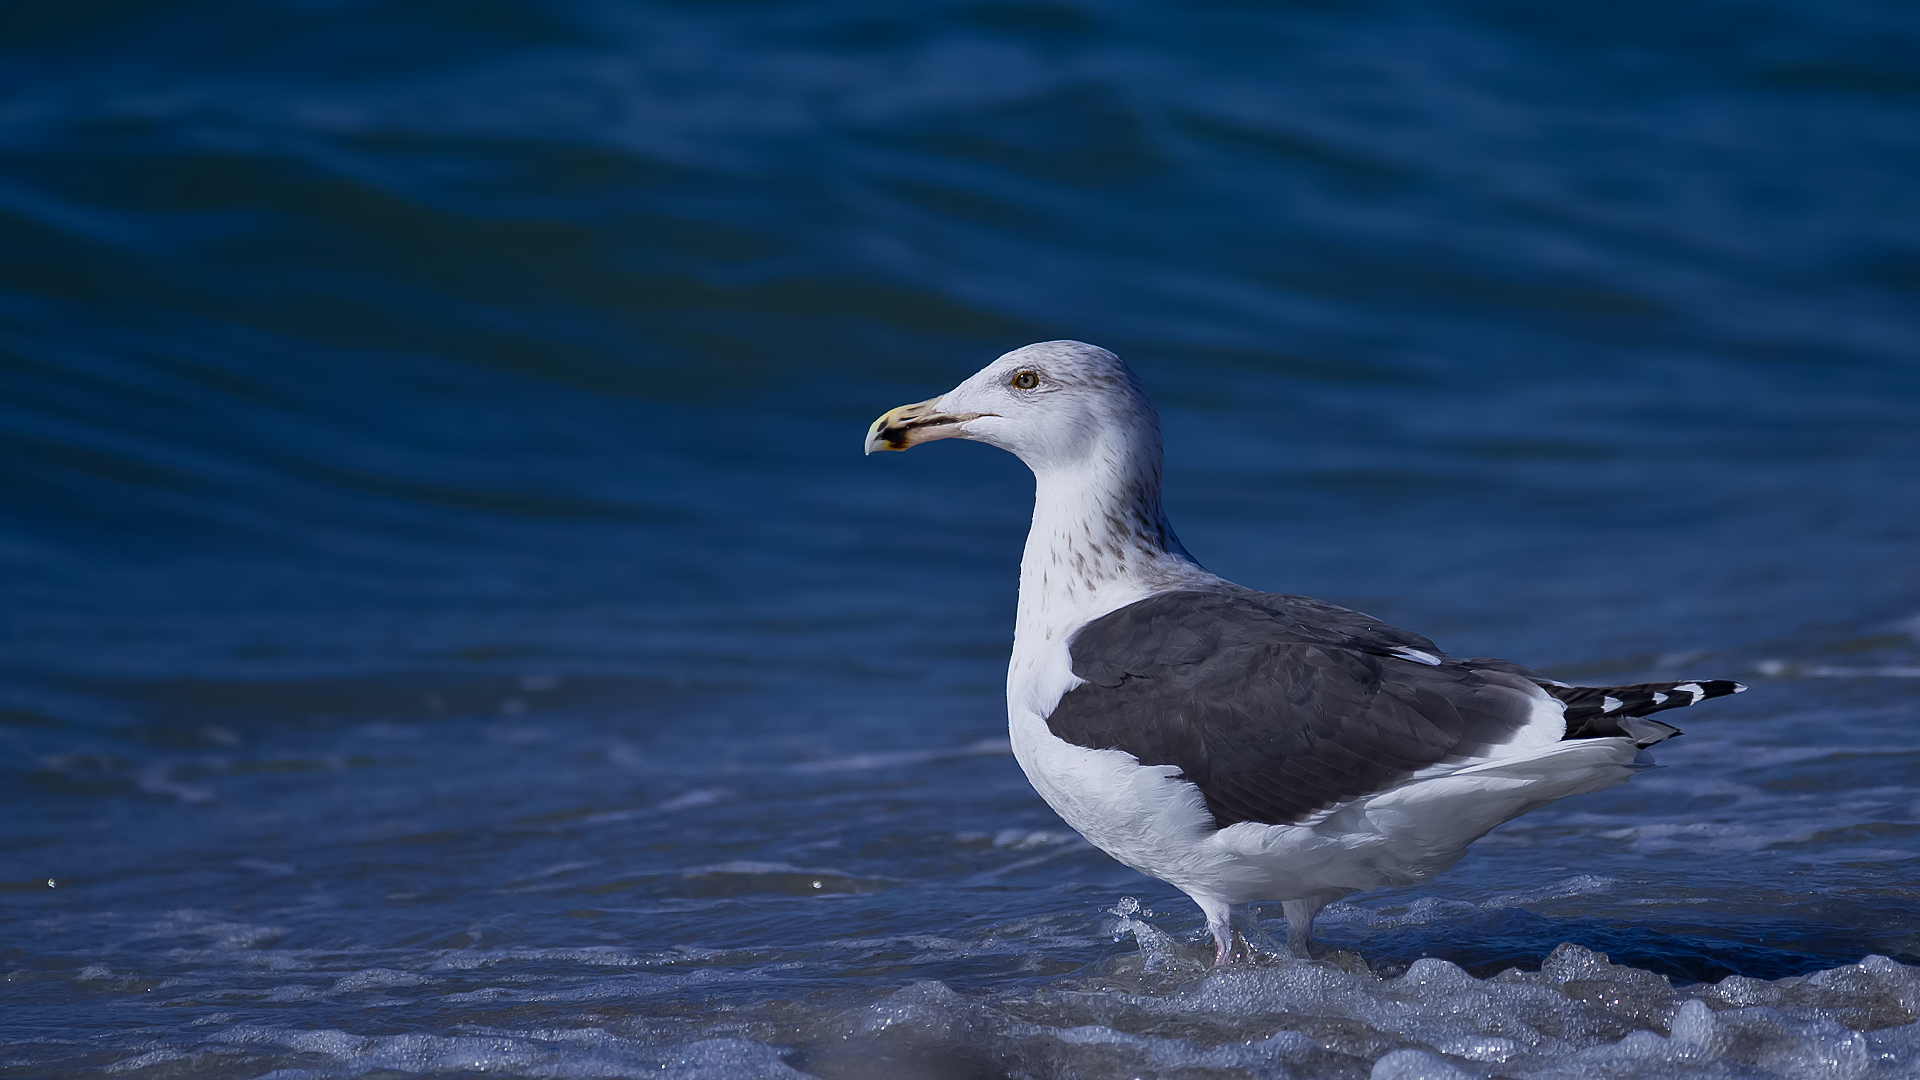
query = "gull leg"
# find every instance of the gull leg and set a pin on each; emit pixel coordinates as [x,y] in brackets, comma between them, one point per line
[1300,915]
[1220,921]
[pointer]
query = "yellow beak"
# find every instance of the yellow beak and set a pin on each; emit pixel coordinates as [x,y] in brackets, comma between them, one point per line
[911,425]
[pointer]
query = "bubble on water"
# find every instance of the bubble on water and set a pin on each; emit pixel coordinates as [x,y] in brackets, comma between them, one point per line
[1020,839]
[377,979]
[1418,1065]
[694,798]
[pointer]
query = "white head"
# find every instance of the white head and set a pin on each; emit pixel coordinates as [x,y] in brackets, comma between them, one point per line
[1058,406]
[1082,422]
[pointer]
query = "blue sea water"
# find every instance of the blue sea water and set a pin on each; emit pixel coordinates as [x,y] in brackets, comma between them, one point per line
[447,626]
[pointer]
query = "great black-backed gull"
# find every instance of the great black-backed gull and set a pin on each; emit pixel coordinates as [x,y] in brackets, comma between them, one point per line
[1246,746]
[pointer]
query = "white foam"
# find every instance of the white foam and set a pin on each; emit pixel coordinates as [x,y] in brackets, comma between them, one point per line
[1580,1016]
[1418,1065]
[903,758]
[1784,669]
[1155,1008]
[564,1053]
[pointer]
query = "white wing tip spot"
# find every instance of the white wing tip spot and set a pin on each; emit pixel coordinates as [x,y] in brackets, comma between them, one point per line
[1659,698]
[1610,703]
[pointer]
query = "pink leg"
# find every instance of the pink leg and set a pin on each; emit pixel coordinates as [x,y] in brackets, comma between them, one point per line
[1300,915]
[1220,921]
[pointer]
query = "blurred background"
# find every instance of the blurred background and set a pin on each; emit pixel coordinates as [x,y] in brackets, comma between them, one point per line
[434,539]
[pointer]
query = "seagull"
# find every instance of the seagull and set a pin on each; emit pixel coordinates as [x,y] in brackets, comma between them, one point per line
[1245,746]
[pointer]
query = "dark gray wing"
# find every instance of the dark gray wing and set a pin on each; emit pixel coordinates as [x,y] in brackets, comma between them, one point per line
[1337,625]
[1275,706]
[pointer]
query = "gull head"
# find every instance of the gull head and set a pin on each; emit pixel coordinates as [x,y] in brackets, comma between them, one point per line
[1057,404]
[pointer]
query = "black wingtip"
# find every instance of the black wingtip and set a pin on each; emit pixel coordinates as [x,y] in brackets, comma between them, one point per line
[1594,712]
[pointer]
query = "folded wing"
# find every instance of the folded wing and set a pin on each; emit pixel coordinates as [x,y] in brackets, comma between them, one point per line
[1277,710]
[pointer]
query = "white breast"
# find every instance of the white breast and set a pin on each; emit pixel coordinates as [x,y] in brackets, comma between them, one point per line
[1139,814]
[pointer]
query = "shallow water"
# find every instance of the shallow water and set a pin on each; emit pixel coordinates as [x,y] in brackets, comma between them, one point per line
[448,627]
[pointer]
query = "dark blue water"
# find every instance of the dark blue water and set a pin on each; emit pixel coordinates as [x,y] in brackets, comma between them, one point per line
[447,627]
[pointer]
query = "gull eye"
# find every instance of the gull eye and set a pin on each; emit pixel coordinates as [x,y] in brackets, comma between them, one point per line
[1026,380]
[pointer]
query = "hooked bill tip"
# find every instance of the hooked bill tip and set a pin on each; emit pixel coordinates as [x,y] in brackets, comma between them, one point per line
[881,436]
